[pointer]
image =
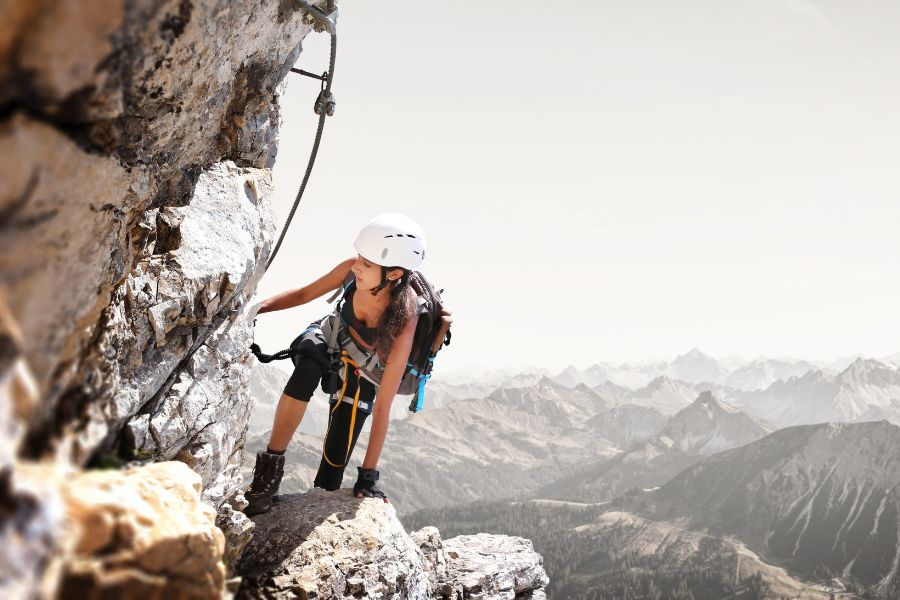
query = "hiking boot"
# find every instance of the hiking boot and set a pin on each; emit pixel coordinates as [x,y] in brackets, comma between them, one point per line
[266,478]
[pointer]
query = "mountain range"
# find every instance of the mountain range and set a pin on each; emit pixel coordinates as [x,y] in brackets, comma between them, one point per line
[702,428]
[697,367]
[821,496]
[675,484]
[818,397]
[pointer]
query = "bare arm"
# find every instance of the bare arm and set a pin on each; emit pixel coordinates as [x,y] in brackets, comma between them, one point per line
[390,382]
[321,286]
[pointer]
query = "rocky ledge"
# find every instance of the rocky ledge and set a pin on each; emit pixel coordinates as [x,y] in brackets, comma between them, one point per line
[331,545]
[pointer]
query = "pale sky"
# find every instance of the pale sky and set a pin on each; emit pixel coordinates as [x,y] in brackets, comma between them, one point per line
[611,181]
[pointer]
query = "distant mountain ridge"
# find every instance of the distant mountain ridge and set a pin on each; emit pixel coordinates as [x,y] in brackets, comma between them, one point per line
[696,367]
[704,427]
[818,397]
[665,394]
[627,424]
[763,372]
[708,426]
[816,494]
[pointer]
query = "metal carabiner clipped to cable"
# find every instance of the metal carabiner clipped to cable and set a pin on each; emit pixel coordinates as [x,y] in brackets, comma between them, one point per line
[325,103]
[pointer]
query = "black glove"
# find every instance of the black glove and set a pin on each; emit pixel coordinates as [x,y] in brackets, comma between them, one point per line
[365,484]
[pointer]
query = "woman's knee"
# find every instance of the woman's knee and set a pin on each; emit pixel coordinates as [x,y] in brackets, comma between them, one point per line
[304,380]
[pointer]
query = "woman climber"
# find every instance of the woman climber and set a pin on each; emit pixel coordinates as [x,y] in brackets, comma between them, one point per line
[377,325]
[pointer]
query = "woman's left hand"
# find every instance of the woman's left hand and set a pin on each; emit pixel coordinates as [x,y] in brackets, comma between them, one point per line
[365,485]
[252,309]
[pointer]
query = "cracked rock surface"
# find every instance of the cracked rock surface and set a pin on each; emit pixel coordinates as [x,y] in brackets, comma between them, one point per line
[488,566]
[141,532]
[331,545]
[135,223]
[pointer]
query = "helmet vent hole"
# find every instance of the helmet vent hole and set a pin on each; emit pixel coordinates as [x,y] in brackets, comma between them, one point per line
[387,236]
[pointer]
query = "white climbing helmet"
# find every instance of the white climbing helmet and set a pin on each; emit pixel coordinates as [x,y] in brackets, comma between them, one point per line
[392,240]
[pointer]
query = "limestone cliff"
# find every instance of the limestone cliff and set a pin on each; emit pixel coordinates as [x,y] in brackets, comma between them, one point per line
[137,140]
[135,222]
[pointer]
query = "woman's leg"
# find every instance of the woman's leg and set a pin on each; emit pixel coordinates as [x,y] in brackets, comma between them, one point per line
[293,402]
[288,415]
[269,468]
[335,453]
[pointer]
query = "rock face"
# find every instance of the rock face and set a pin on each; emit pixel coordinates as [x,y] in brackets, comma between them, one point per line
[493,566]
[167,91]
[224,233]
[135,217]
[331,545]
[135,222]
[133,533]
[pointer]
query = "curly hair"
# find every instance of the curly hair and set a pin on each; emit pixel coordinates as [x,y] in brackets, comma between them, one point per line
[397,315]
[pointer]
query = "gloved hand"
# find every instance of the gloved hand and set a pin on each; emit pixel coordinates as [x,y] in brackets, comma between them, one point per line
[365,485]
[251,309]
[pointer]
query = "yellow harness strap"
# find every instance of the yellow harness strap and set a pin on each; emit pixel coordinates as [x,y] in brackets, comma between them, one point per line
[345,358]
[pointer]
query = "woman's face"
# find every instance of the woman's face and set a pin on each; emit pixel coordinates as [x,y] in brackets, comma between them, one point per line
[368,274]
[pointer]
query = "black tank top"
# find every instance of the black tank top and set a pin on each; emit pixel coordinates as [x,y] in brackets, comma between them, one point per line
[347,313]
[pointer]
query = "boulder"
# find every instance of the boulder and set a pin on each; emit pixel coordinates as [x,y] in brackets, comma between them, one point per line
[325,544]
[141,532]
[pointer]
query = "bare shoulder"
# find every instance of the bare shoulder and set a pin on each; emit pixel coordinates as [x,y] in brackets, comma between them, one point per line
[338,274]
[330,281]
[344,266]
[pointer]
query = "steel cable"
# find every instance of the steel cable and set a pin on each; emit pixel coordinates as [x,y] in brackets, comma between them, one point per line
[315,149]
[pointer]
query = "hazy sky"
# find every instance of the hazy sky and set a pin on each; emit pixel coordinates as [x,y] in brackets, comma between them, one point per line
[613,180]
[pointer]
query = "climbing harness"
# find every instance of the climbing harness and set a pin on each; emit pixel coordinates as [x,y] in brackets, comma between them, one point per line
[432,332]
[323,19]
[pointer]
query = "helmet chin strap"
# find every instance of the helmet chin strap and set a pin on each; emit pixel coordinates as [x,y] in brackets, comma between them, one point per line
[384,282]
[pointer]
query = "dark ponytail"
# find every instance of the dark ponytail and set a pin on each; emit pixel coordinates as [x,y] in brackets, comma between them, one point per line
[398,314]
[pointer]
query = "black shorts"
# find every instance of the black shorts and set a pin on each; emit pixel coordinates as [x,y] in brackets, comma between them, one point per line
[305,379]
[308,374]
[311,362]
